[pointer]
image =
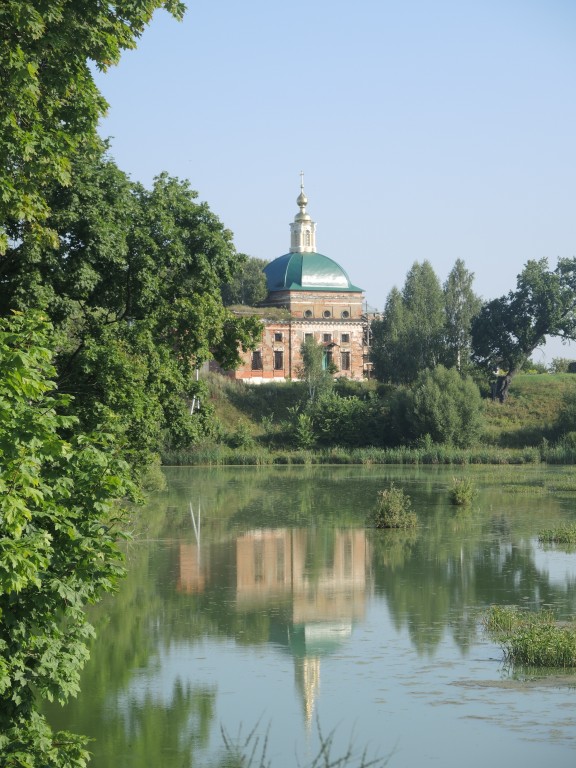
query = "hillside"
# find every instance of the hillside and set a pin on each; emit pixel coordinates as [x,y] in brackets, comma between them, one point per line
[530,414]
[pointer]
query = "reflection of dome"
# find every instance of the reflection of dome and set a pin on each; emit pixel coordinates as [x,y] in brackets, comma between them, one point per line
[306,271]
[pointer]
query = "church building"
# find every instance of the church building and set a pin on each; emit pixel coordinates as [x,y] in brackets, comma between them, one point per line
[309,296]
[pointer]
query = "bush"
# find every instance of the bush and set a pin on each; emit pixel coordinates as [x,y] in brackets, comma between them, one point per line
[443,405]
[394,510]
[462,492]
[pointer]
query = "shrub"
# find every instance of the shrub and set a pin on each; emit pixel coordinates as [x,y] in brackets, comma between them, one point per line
[443,405]
[393,510]
[462,492]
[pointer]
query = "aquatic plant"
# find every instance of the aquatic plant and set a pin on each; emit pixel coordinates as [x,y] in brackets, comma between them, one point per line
[462,492]
[393,510]
[532,639]
[563,534]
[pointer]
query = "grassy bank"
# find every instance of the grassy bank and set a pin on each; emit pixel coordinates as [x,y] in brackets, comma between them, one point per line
[254,428]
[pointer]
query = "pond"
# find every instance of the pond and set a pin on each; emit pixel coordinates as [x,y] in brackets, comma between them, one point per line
[259,609]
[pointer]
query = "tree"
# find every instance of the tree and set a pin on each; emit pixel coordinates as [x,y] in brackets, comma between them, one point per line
[508,330]
[133,290]
[248,284]
[50,104]
[442,404]
[388,336]
[461,305]
[314,370]
[58,544]
[408,338]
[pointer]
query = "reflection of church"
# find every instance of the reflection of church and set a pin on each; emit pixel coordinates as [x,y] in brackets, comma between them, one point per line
[316,588]
[317,301]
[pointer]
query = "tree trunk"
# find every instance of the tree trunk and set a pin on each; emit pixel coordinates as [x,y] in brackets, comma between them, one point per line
[500,387]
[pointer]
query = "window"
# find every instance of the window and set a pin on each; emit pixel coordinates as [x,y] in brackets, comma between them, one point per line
[327,338]
[308,337]
[278,336]
[345,338]
[308,313]
[345,361]
[257,360]
[327,313]
[278,360]
[307,238]
[345,314]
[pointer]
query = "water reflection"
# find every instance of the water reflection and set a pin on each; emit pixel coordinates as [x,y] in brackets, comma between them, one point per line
[311,583]
[260,594]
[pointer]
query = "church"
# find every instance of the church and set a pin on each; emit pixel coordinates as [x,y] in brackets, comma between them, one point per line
[309,296]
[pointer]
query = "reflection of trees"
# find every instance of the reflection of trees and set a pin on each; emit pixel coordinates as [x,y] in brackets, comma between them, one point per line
[431,578]
[131,629]
[284,560]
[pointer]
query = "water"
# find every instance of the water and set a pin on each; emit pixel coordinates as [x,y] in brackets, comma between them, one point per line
[258,608]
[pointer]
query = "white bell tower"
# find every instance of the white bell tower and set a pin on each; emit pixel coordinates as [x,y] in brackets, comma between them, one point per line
[303,230]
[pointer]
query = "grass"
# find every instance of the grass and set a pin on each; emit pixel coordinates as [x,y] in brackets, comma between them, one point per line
[531,411]
[221,455]
[563,534]
[532,639]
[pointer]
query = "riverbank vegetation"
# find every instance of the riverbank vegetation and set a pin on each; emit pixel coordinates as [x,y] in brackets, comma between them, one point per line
[532,639]
[374,423]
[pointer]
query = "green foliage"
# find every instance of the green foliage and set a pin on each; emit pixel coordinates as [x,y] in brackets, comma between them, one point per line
[248,284]
[58,542]
[134,292]
[302,429]
[461,305]
[532,639]
[508,329]
[50,103]
[241,437]
[560,365]
[462,492]
[442,404]
[408,336]
[563,534]
[348,421]
[393,510]
[313,371]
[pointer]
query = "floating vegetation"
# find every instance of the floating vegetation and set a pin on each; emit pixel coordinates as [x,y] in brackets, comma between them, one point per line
[563,534]
[532,639]
[394,510]
[462,492]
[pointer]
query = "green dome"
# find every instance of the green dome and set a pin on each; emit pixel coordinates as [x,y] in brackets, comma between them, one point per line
[306,272]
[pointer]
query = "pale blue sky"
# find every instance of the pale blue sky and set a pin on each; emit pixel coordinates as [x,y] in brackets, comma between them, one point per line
[427,129]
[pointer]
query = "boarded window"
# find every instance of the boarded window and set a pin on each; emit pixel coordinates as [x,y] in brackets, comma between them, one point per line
[257,360]
[345,361]
[278,360]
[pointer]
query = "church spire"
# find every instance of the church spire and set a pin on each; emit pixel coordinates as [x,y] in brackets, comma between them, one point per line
[303,229]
